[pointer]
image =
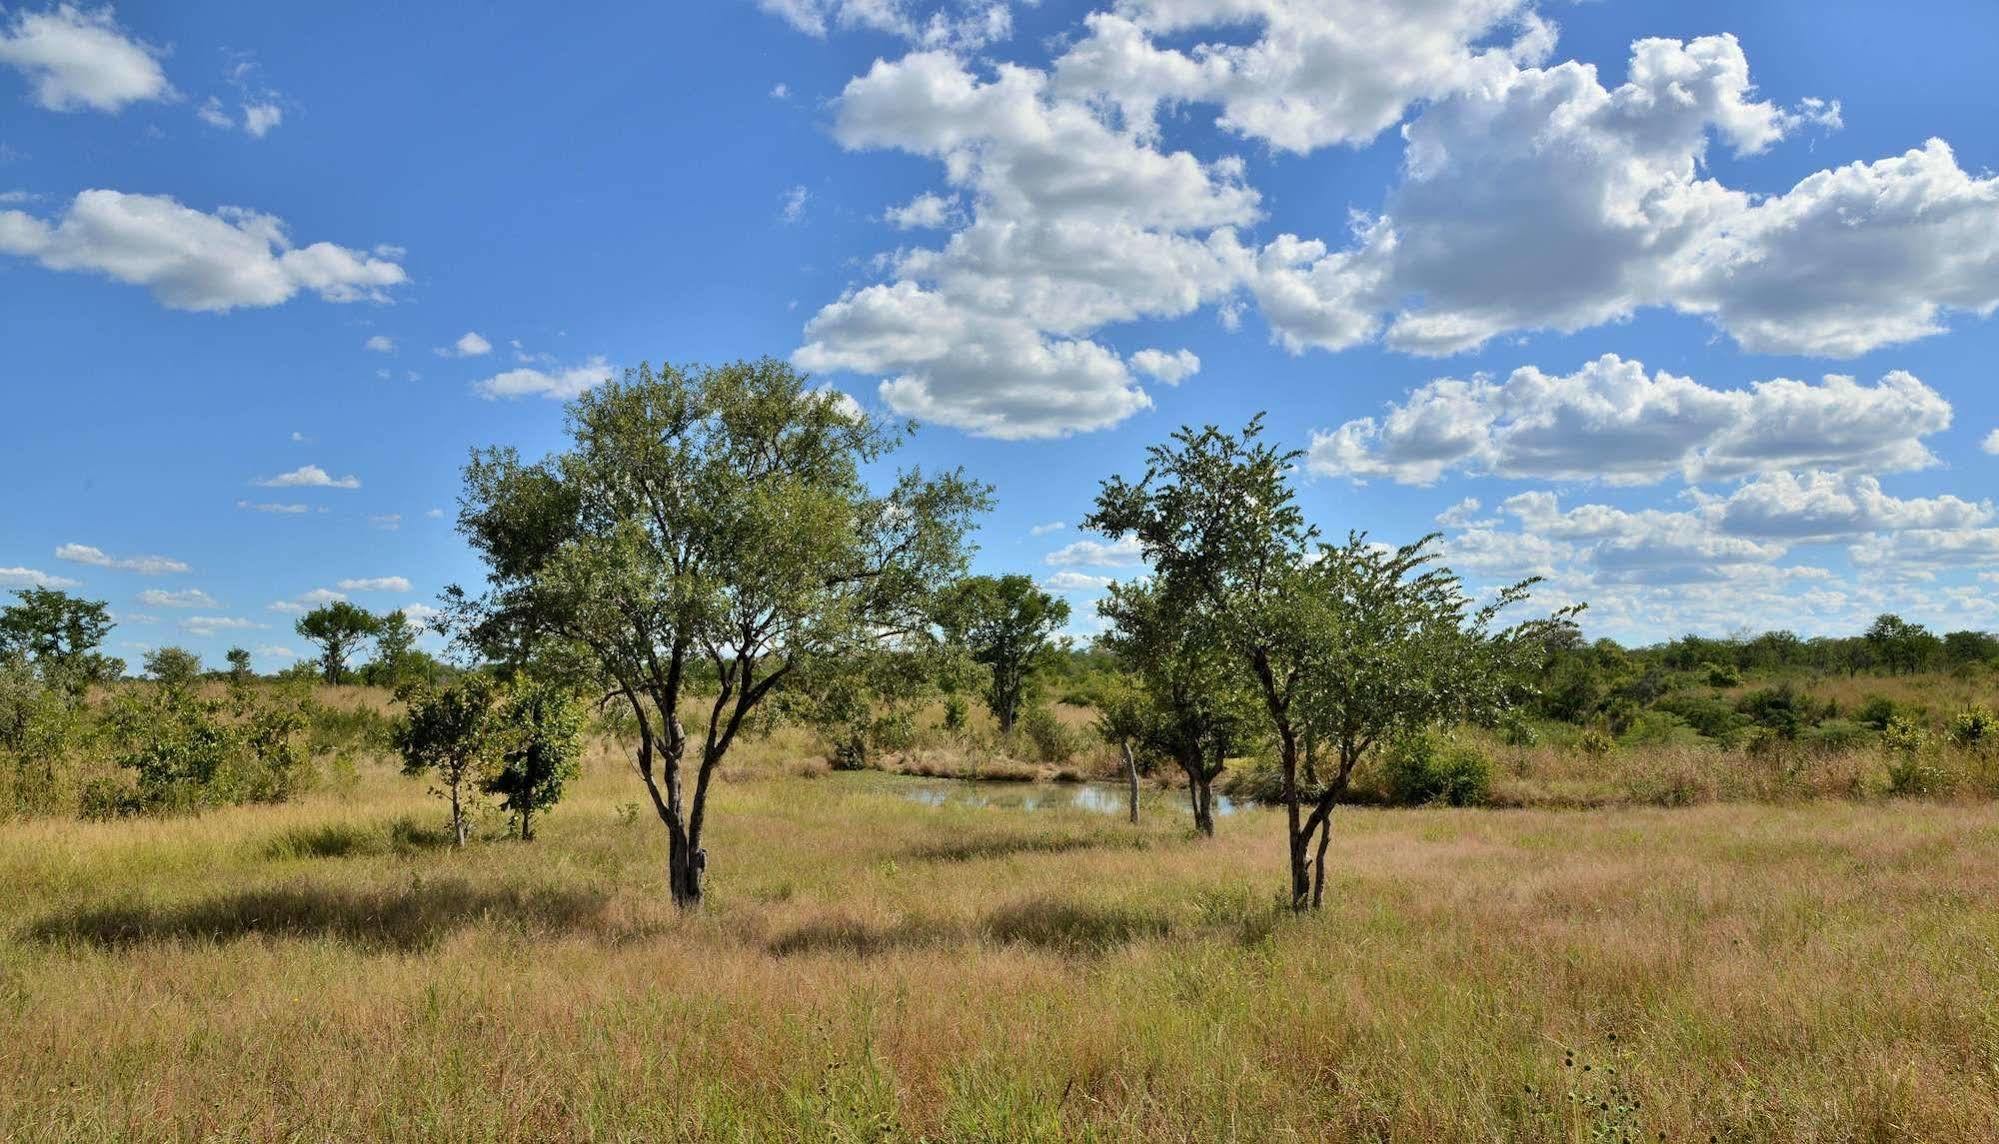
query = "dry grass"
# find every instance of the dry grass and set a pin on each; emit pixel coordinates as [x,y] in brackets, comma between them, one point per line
[875,968]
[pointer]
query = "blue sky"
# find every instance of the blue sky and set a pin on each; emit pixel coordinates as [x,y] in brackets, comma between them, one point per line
[1554,259]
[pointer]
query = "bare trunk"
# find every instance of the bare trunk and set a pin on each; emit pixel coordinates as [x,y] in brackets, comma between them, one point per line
[1131,778]
[1319,863]
[685,865]
[457,818]
[1203,799]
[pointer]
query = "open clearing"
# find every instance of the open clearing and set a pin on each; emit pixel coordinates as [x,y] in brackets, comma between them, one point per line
[873,967]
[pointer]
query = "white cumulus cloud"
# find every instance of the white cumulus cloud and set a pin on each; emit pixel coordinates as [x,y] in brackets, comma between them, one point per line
[77,58]
[309,477]
[96,557]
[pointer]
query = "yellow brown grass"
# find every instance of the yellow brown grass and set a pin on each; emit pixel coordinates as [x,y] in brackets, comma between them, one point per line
[871,967]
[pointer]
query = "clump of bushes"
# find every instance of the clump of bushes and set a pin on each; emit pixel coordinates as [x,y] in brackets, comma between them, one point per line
[1425,769]
[1048,738]
[1974,729]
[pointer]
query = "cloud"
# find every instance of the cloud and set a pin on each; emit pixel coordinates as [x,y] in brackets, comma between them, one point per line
[1610,420]
[1536,198]
[259,118]
[375,584]
[433,513]
[191,260]
[1075,225]
[793,207]
[1172,368]
[924,212]
[469,344]
[556,385]
[274,651]
[309,477]
[96,557]
[79,59]
[18,577]
[1123,553]
[1068,581]
[306,602]
[266,506]
[780,91]
[381,344]
[205,626]
[973,25]
[1991,443]
[387,522]
[187,598]
[1312,74]
[1045,529]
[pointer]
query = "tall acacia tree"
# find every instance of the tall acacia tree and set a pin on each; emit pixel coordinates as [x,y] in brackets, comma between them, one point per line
[1008,626]
[338,628]
[714,517]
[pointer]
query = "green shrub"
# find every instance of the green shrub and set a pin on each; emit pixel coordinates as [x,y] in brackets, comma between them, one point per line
[1713,717]
[1660,728]
[1722,675]
[1974,728]
[1424,769]
[1050,739]
[1912,770]
[1877,712]
[1836,735]
[1595,742]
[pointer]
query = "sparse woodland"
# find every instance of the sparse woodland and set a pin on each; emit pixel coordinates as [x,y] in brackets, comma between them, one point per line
[695,829]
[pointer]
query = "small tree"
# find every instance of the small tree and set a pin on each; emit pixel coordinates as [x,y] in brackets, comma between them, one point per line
[1193,703]
[1008,627]
[1392,646]
[173,668]
[538,736]
[1899,645]
[395,651]
[1122,722]
[239,666]
[338,628]
[60,633]
[706,518]
[449,734]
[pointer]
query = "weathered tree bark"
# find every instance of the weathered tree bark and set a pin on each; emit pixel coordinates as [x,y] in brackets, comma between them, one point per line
[457,818]
[1131,777]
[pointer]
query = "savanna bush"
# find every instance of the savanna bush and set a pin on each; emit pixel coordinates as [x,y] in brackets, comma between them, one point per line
[1424,769]
[1974,729]
[1049,739]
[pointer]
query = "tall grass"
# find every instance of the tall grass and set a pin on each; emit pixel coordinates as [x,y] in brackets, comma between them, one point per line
[873,968]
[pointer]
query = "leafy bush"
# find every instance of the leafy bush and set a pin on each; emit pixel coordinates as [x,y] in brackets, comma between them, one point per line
[1781,709]
[1714,718]
[1836,735]
[1660,728]
[1877,712]
[1974,728]
[1722,675]
[1911,768]
[1595,742]
[1051,739]
[1422,770]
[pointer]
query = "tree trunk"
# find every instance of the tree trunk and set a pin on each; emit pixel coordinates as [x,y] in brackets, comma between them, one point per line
[685,865]
[1203,799]
[527,823]
[457,818]
[1131,777]
[1319,862]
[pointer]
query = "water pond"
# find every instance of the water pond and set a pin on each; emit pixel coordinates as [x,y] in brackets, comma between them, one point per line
[1093,798]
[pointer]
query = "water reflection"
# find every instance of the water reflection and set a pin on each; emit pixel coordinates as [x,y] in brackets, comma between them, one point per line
[1093,798]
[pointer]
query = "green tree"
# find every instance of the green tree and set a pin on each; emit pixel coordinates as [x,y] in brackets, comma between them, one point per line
[538,737]
[174,668]
[1193,700]
[1899,645]
[713,519]
[239,666]
[1123,720]
[449,734]
[1216,518]
[1392,646]
[60,634]
[395,660]
[1008,625]
[338,628]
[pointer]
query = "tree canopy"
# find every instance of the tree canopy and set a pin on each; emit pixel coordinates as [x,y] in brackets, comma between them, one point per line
[713,515]
[1008,627]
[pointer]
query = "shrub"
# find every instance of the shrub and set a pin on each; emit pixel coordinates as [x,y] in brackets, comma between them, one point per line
[1422,770]
[1714,718]
[1974,728]
[1911,769]
[1595,742]
[1722,675]
[1051,739]
[1836,735]
[1781,709]
[1877,712]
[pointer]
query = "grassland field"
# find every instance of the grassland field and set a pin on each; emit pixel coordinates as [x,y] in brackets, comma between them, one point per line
[874,968]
